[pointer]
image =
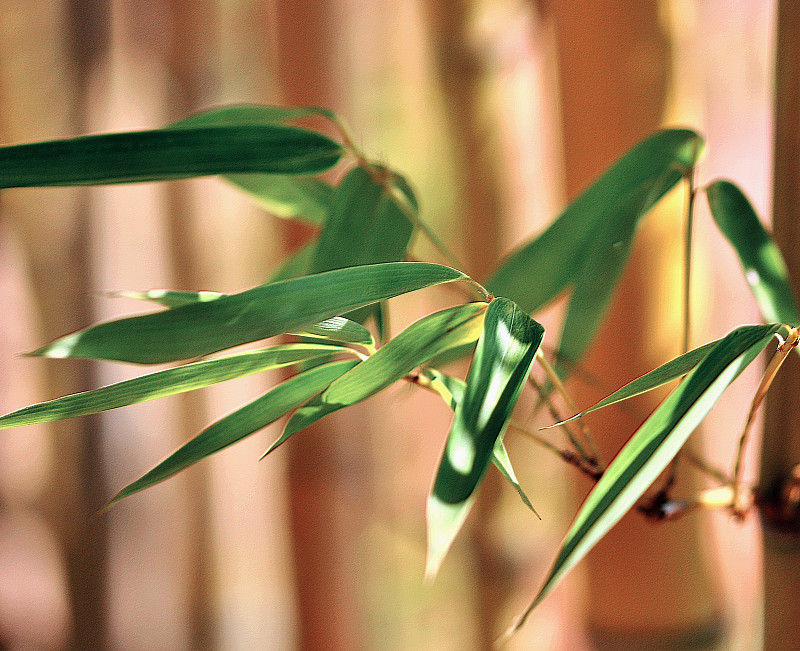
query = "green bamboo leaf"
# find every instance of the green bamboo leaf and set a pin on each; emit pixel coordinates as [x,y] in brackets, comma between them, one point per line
[339,329]
[764,267]
[166,154]
[287,196]
[168,297]
[258,313]
[248,115]
[502,362]
[298,264]
[365,226]
[281,195]
[539,271]
[169,382]
[658,377]
[451,389]
[392,362]
[652,447]
[241,423]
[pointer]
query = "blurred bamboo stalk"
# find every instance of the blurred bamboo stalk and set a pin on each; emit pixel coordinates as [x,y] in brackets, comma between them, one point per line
[613,62]
[781,445]
[41,98]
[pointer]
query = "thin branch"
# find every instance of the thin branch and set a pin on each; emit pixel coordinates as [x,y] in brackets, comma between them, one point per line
[594,458]
[770,372]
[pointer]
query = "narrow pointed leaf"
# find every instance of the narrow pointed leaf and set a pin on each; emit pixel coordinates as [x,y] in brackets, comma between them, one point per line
[502,462]
[166,154]
[539,271]
[258,313]
[658,377]
[339,329]
[764,267]
[241,423]
[390,363]
[365,226]
[248,115]
[169,297]
[169,382]
[502,362]
[653,446]
[287,196]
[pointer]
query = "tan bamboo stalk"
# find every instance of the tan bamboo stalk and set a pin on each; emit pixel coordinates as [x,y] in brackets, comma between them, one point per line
[648,587]
[39,98]
[778,479]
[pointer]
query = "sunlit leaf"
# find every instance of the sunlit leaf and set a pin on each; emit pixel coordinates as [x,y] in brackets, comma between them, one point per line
[658,377]
[365,226]
[502,362]
[762,261]
[169,382]
[241,423]
[258,313]
[337,328]
[587,246]
[166,154]
[653,446]
[392,362]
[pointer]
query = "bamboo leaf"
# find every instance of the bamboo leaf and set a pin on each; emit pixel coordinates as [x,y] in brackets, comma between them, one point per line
[633,184]
[339,329]
[241,423]
[168,297]
[658,377]
[287,196]
[763,264]
[451,390]
[258,313]
[166,154]
[169,382]
[392,362]
[365,226]
[587,247]
[502,362]
[248,115]
[652,447]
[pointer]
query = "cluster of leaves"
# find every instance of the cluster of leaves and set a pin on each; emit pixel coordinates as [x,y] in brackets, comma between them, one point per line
[324,294]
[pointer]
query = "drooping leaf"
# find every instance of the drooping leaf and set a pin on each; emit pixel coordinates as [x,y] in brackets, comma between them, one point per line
[241,423]
[652,447]
[587,246]
[764,267]
[258,313]
[169,382]
[165,154]
[339,329]
[283,196]
[287,196]
[365,226]
[658,377]
[392,362]
[502,362]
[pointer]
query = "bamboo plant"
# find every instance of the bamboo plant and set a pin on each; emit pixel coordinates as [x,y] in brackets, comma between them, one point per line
[312,317]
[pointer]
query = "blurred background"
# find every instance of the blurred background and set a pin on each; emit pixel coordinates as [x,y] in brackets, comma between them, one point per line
[499,112]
